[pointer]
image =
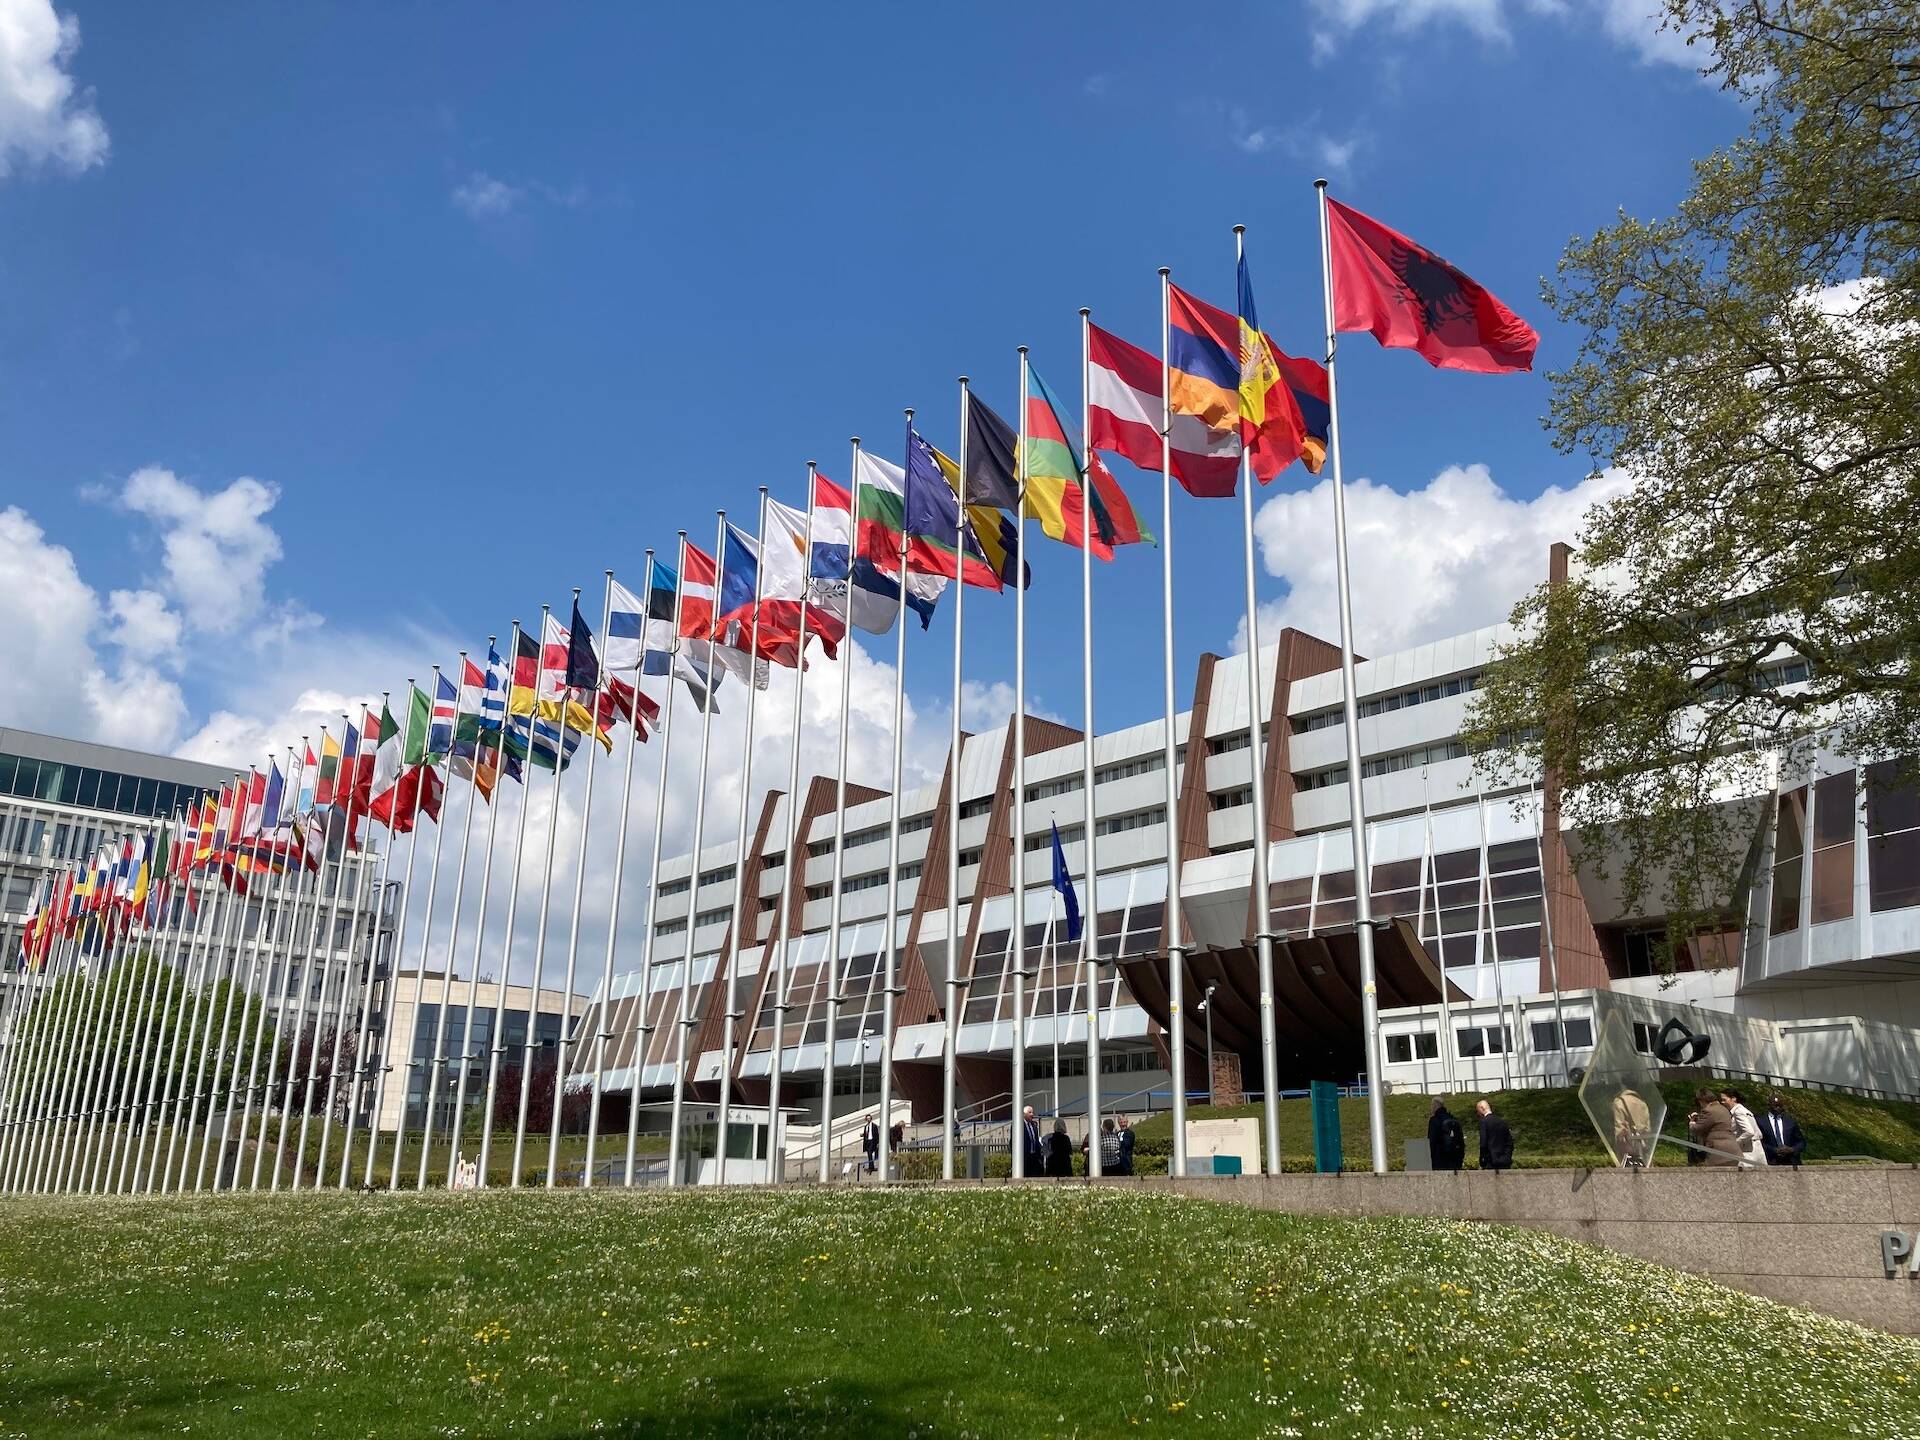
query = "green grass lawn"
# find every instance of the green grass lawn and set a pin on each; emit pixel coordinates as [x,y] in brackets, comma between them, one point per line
[573,1150]
[1037,1311]
[1550,1128]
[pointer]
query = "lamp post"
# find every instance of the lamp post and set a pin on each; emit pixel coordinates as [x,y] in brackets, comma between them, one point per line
[1206,1008]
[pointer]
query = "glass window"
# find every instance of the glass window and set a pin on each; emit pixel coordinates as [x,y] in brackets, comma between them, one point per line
[1893,835]
[9,764]
[89,789]
[1833,804]
[1789,834]
[1404,1049]
[1545,1037]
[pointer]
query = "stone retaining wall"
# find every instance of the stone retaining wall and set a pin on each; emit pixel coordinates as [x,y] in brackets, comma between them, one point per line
[1809,1237]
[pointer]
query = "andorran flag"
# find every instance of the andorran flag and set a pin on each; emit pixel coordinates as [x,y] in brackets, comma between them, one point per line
[1408,298]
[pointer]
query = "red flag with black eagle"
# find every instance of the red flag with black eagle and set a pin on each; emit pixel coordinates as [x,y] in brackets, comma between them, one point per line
[1408,298]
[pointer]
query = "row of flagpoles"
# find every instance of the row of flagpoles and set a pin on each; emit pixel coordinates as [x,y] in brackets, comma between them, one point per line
[1219,407]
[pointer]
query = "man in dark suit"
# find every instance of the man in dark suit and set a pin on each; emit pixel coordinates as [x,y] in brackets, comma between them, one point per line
[870,1143]
[1496,1140]
[1027,1136]
[1780,1134]
[1446,1144]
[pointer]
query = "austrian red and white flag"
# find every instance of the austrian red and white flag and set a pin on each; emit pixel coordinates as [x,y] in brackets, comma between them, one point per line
[1124,409]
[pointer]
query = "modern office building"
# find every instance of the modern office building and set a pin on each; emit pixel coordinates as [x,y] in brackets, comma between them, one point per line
[1478,904]
[420,1032]
[61,799]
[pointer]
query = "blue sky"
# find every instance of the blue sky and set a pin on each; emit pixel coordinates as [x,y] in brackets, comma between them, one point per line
[484,305]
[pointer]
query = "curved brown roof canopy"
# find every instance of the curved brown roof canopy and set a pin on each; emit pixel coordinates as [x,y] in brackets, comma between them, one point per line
[1316,983]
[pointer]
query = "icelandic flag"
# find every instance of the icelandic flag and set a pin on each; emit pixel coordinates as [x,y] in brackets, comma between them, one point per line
[1063,882]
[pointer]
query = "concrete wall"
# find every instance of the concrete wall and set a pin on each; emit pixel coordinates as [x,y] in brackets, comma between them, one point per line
[1808,1237]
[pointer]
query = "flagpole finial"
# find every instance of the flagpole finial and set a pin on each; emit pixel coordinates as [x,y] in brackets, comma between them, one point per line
[1239,229]
[1164,272]
[576,593]
[609,573]
[909,414]
[409,679]
[966,380]
[683,534]
[1320,184]
[1085,312]
[856,439]
[1021,348]
[763,489]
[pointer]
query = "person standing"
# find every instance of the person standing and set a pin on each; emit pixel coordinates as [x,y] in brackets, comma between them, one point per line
[1446,1142]
[1746,1131]
[1059,1163]
[1109,1147]
[1027,1136]
[1780,1134]
[870,1143]
[1496,1140]
[1124,1166]
[1711,1128]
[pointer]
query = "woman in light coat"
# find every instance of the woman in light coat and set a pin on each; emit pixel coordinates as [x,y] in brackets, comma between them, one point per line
[1746,1131]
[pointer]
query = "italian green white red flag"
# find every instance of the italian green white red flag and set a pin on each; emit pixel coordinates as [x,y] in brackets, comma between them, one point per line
[414,784]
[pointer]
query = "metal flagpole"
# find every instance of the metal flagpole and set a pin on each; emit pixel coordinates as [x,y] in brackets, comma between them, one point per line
[224,958]
[373,911]
[25,1000]
[120,1025]
[78,1004]
[106,1048]
[532,1042]
[13,1005]
[1018,953]
[236,988]
[1356,804]
[795,864]
[686,1021]
[1262,841]
[392,1005]
[643,1030]
[355,909]
[287,879]
[307,880]
[81,1051]
[1090,923]
[59,962]
[730,956]
[579,897]
[326,970]
[949,1076]
[601,1035]
[468,1055]
[114,1171]
[446,978]
[839,846]
[893,855]
[262,976]
[100,1041]
[49,1056]
[1175,929]
[426,936]
[498,1047]
[53,1060]
[165,1100]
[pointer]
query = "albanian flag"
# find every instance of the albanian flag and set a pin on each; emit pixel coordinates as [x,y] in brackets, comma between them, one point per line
[1408,298]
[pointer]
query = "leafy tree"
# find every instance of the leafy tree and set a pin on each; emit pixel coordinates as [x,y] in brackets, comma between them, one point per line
[1751,364]
[94,1024]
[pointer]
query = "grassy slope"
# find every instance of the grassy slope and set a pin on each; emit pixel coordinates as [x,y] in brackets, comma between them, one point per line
[1037,1311]
[1550,1128]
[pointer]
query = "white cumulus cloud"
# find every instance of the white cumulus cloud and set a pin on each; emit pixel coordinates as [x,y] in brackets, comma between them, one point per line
[44,121]
[1450,556]
[216,545]
[55,679]
[1637,25]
